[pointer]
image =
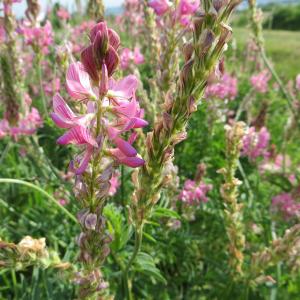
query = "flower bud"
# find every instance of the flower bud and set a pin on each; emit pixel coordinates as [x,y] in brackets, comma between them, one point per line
[90,221]
[103,190]
[198,22]
[192,105]
[167,121]
[103,81]
[100,45]
[87,59]
[105,175]
[80,240]
[179,137]
[218,4]
[188,51]
[186,75]
[205,42]
[226,32]
[111,60]
[81,215]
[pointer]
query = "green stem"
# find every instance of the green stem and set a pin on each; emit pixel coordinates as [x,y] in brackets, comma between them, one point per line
[35,187]
[277,78]
[39,73]
[137,247]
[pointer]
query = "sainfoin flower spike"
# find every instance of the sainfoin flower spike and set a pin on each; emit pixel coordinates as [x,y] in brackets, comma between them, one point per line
[102,123]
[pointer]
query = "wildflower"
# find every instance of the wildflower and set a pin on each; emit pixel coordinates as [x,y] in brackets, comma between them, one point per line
[194,193]
[78,82]
[27,123]
[298,82]
[63,14]
[127,56]
[285,205]
[121,112]
[160,6]
[260,81]
[185,9]
[114,184]
[275,164]
[255,143]
[40,38]
[225,88]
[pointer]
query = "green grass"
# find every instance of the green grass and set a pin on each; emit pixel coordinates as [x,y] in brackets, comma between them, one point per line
[283,48]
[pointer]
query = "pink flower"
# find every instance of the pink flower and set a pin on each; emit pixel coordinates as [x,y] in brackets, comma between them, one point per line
[160,6]
[63,14]
[286,205]
[26,125]
[255,143]
[194,193]
[138,57]
[226,88]
[260,81]
[275,164]
[2,34]
[127,56]
[4,128]
[78,82]
[298,82]
[38,37]
[64,117]
[126,154]
[52,88]
[114,184]
[185,9]
[113,111]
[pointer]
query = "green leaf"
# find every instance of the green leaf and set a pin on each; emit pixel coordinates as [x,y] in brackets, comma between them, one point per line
[165,212]
[146,265]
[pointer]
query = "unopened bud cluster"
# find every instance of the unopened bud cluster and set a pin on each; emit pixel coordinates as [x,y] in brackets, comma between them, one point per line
[210,34]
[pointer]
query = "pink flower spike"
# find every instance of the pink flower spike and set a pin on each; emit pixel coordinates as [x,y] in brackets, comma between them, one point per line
[78,82]
[77,135]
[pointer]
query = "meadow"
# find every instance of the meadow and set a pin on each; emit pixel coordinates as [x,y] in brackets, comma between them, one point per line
[148,155]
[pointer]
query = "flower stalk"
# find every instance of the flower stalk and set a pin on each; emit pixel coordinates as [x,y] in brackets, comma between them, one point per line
[256,17]
[108,111]
[96,10]
[210,35]
[233,214]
